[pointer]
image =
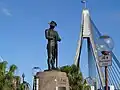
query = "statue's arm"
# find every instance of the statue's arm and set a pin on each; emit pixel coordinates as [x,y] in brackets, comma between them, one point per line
[47,35]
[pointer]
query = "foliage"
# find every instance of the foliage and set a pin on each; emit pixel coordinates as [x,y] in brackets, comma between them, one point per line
[75,77]
[8,80]
[6,76]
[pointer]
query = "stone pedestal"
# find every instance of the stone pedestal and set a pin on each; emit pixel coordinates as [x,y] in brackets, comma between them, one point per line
[52,80]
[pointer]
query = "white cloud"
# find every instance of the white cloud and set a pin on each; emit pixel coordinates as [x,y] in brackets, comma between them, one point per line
[6,12]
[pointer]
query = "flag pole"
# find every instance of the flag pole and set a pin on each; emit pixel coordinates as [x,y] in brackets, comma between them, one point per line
[85,3]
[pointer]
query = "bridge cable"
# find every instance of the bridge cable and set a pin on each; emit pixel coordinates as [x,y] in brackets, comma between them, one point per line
[114,73]
[112,81]
[113,77]
[117,72]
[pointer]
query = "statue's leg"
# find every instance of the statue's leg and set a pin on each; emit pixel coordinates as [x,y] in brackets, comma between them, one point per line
[53,57]
[49,58]
[48,61]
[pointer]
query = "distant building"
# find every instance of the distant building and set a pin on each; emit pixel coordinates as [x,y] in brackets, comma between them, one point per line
[16,82]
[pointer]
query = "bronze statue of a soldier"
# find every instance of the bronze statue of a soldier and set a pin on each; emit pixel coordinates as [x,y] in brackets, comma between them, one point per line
[52,48]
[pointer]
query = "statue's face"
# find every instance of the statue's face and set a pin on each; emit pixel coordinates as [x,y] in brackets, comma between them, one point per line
[52,27]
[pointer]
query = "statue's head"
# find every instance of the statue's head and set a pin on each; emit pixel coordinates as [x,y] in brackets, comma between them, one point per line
[52,24]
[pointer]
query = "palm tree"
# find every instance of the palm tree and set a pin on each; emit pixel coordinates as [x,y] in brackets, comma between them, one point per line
[3,66]
[8,80]
[7,77]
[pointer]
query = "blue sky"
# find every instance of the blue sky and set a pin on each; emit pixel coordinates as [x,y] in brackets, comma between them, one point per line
[23,22]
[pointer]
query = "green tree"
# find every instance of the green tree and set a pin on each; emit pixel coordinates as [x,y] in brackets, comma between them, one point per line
[7,76]
[2,74]
[8,80]
[85,85]
[75,77]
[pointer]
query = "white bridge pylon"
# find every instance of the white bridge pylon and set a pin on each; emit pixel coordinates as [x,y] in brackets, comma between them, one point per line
[87,33]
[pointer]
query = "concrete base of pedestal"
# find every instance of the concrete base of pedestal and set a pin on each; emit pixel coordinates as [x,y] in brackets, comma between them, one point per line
[52,80]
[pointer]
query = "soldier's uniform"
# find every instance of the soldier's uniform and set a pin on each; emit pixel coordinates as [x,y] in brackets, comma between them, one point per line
[52,37]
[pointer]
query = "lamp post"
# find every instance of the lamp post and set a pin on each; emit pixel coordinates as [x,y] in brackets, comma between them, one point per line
[34,72]
[23,77]
[105,46]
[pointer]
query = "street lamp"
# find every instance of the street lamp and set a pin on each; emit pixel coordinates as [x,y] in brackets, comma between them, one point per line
[105,43]
[35,80]
[35,70]
[23,77]
[105,46]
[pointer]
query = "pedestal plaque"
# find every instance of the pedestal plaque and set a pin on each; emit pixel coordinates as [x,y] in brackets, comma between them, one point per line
[52,80]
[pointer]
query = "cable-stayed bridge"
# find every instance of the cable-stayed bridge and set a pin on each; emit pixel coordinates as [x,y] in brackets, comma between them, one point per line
[90,32]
